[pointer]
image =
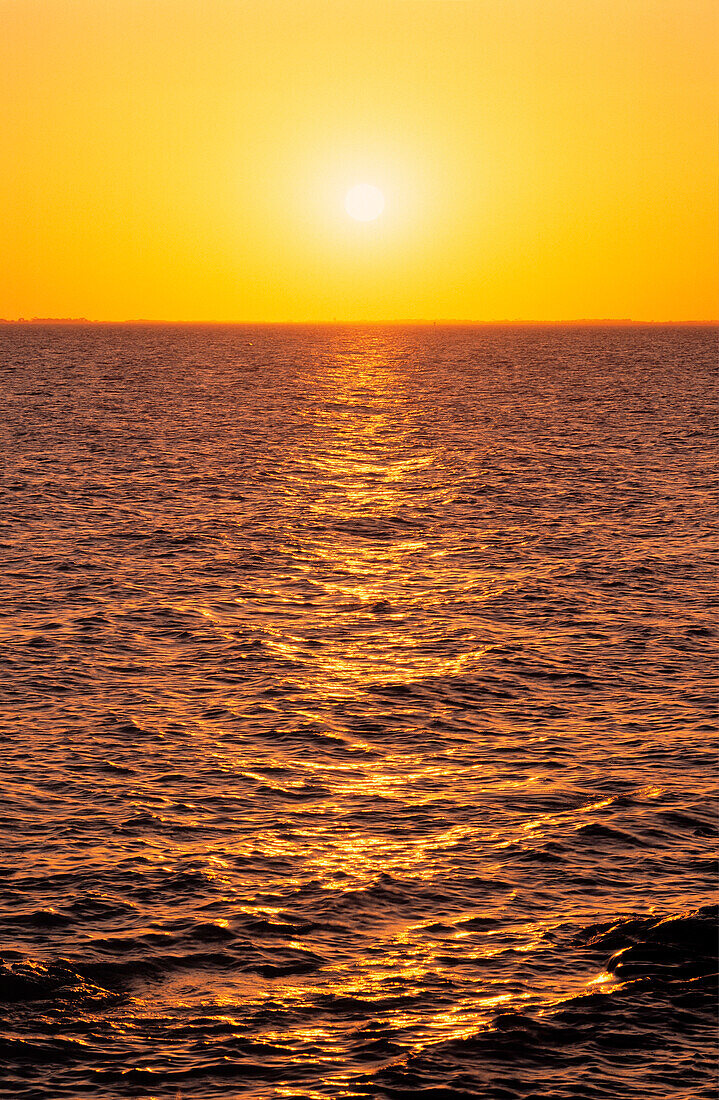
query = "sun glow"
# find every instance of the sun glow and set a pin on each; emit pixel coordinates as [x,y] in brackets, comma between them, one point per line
[364,202]
[276,161]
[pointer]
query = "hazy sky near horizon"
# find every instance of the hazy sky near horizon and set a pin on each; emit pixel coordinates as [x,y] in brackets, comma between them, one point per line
[185,160]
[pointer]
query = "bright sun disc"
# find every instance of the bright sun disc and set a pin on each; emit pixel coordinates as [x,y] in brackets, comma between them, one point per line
[364,202]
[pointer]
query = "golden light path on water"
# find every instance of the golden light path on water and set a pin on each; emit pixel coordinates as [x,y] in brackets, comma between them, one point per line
[361,462]
[362,466]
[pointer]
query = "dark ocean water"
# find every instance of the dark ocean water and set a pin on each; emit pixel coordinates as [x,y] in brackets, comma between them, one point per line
[357,721]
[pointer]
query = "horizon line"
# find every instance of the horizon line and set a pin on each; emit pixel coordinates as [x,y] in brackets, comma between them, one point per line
[565,322]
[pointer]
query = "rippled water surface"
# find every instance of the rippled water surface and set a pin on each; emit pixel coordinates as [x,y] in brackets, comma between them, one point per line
[357,725]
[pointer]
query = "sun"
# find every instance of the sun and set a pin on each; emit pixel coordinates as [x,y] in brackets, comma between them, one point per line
[364,202]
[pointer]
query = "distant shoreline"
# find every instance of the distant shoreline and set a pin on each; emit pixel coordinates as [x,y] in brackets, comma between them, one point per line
[589,322]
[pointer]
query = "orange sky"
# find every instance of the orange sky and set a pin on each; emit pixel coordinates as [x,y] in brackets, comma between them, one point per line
[188,159]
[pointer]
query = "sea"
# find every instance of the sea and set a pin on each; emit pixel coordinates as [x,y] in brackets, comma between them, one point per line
[358,712]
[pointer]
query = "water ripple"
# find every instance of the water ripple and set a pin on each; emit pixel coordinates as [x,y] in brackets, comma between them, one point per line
[358,717]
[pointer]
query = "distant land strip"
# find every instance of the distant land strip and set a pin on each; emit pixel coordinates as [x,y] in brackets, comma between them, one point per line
[579,321]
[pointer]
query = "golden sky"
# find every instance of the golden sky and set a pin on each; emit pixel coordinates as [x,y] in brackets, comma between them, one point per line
[189,159]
